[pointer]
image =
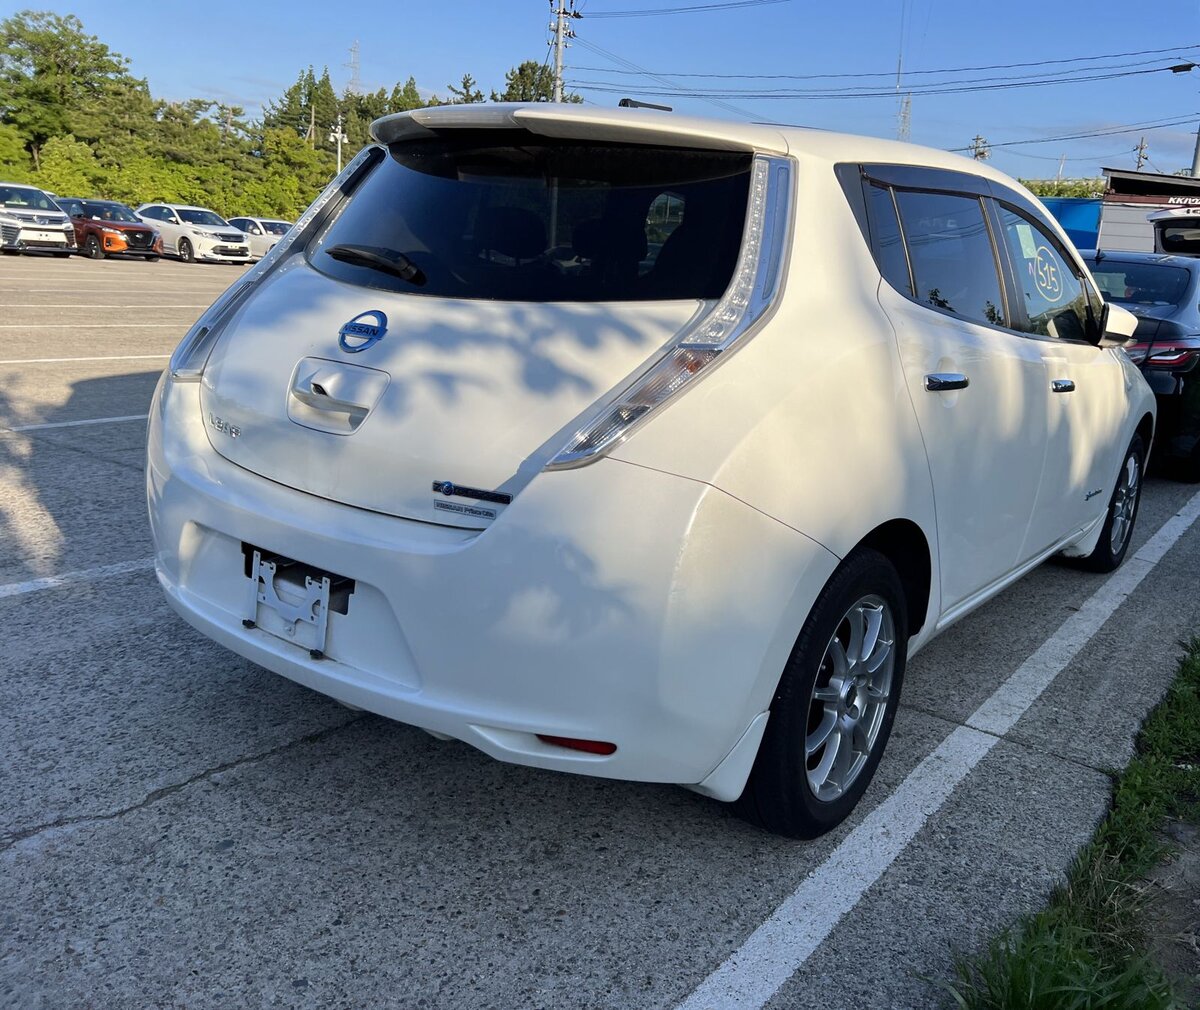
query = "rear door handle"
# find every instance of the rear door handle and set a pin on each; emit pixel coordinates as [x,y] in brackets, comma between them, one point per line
[1062,385]
[940,382]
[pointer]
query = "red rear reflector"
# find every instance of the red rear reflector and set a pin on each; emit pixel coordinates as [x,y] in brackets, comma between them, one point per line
[587,746]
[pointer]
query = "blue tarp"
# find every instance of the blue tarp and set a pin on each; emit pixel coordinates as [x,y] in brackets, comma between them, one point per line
[1079,216]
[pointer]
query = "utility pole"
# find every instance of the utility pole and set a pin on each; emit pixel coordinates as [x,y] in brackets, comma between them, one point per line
[1141,154]
[1196,157]
[1062,163]
[979,148]
[340,137]
[561,9]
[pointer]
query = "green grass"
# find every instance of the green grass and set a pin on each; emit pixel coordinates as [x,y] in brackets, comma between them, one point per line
[1085,950]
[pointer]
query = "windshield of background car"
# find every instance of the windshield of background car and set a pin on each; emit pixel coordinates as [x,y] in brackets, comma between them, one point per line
[28,199]
[1141,283]
[1180,237]
[205,217]
[276,227]
[104,211]
[503,215]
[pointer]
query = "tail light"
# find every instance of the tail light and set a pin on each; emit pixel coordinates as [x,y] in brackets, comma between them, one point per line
[713,334]
[1171,357]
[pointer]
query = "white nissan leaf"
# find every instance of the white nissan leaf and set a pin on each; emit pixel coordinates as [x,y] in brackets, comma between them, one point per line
[642,446]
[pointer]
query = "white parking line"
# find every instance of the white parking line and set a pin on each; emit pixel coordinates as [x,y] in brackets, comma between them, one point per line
[92,305]
[103,357]
[87,326]
[76,424]
[74,578]
[754,973]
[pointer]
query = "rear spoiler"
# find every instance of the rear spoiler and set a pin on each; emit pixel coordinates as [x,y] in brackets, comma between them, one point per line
[545,119]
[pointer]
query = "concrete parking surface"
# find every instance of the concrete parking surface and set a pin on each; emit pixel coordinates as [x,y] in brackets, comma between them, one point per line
[179,828]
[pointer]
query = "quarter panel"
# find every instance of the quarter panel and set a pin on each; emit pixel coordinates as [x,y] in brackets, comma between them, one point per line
[811,421]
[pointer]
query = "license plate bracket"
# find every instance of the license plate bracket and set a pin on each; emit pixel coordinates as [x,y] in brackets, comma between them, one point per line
[292,600]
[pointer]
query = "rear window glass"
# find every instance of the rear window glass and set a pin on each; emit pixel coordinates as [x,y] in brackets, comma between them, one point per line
[1183,237]
[1140,283]
[501,216]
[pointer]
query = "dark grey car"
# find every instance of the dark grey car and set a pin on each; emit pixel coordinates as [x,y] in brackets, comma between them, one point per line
[1163,291]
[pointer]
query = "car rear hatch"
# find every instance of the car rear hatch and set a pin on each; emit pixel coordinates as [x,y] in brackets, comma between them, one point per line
[476,294]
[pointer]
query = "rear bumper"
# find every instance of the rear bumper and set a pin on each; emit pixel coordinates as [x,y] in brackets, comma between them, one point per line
[610,603]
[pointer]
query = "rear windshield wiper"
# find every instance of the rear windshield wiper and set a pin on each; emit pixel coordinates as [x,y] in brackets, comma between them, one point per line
[386,261]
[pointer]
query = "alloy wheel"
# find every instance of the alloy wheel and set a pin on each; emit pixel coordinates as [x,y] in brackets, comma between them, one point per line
[1124,503]
[850,697]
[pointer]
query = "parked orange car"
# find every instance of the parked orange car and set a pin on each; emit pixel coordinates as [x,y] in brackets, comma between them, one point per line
[105,227]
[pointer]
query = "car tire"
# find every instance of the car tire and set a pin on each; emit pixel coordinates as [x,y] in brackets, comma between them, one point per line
[151,259]
[92,248]
[1117,531]
[833,710]
[186,252]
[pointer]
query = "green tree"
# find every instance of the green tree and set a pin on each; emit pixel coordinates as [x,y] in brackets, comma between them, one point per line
[68,167]
[466,93]
[49,67]
[324,110]
[14,159]
[530,82]
[405,98]
[1065,187]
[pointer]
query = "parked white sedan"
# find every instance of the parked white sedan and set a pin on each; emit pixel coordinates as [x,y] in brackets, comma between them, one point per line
[195,233]
[679,513]
[261,233]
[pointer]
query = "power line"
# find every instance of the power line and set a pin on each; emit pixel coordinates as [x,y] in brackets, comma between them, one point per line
[1080,157]
[913,73]
[932,84]
[793,94]
[1105,132]
[692,9]
[717,103]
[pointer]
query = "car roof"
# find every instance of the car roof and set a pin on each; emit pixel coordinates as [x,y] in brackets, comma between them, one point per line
[175,206]
[25,185]
[1124,256]
[649,126]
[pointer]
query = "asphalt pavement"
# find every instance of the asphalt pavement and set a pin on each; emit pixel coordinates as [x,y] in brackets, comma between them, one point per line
[181,829]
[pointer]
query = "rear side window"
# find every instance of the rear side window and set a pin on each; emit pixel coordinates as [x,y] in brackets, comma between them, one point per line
[886,241]
[1056,301]
[953,262]
[503,215]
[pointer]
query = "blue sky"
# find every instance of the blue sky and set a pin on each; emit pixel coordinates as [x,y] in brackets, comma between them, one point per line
[247,51]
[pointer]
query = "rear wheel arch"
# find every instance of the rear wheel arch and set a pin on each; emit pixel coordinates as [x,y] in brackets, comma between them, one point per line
[905,545]
[1145,428]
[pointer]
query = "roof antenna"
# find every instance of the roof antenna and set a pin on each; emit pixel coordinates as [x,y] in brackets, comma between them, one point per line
[633,103]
